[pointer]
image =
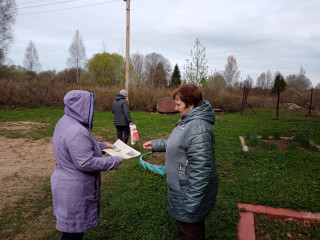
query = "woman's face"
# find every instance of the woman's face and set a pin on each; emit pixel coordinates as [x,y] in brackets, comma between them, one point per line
[181,106]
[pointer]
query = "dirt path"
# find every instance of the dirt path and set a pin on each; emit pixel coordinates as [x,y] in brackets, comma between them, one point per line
[22,162]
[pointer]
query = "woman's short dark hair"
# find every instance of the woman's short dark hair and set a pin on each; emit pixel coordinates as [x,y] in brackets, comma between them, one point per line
[190,94]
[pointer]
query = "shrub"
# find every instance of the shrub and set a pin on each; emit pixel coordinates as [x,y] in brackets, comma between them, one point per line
[303,140]
[264,135]
[20,89]
[252,139]
[276,135]
[249,134]
[145,98]
[292,146]
[224,100]
[268,146]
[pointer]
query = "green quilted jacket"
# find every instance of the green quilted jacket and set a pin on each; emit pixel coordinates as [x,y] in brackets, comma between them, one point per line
[190,166]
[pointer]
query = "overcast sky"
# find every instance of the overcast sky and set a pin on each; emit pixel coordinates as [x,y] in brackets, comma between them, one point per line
[275,35]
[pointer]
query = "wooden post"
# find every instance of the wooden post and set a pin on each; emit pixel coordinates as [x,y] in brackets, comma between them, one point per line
[244,100]
[243,103]
[127,46]
[310,101]
[278,103]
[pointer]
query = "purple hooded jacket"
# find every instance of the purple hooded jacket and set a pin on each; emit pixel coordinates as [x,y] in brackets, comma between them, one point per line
[75,182]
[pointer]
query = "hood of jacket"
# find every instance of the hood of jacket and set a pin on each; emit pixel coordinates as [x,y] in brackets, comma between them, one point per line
[80,105]
[119,97]
[204,112]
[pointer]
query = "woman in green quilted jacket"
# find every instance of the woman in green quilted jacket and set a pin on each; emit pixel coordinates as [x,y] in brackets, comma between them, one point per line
[191,173]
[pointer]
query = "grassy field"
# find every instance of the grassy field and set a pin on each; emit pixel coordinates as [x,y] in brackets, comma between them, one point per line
[134,200]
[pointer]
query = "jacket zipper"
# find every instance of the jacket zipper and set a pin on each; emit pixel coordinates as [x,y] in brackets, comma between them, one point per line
[95,185]
[186,170]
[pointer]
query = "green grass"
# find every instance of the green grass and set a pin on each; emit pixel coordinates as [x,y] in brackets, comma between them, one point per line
[134,200]
[18,219]
[280,228]
[303,140]
[276,135]
[265,135]
[292,146]
[50,116]
[252,139]
[267,146]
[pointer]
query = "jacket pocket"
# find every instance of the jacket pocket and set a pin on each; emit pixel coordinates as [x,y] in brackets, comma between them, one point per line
[92,208]
[183,176]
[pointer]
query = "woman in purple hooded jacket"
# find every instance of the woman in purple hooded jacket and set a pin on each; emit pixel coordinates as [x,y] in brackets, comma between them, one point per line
[75,182]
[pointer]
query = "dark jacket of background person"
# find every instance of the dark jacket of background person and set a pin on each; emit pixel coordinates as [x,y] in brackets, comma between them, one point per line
[190,165]
[75,182]
[121,112]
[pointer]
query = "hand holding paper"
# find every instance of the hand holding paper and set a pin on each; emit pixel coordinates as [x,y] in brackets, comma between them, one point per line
[122,150]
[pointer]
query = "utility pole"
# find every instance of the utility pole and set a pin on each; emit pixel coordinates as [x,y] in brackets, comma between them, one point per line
[127,45]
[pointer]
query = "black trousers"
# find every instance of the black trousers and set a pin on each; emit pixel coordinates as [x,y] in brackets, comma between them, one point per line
[71,236]
[123,133]
[191,231]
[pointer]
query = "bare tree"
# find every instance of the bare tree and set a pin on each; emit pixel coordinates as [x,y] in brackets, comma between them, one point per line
[231,73]
[8,12]
[292,81]
[269,79]
[196,69]
[262,81]
[248,82]
[151,62]
[31,58]
[304,83]
[77,50]
[299,81]
[160,76]
[137,61]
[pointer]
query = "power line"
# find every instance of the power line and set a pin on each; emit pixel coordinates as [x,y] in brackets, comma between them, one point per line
[30,2]
[35,2]
[62,9]
[46,4]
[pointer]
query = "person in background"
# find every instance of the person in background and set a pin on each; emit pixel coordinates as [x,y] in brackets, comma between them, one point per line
[75,182]
[121,116]
[191,173]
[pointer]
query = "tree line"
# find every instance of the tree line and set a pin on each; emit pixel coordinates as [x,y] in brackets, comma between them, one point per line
[152,69]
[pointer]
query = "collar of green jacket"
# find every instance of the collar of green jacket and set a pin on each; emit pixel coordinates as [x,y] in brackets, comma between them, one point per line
[204,112]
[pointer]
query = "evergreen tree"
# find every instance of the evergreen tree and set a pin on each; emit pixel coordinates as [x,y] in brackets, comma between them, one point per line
[175,77]
[278,87]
